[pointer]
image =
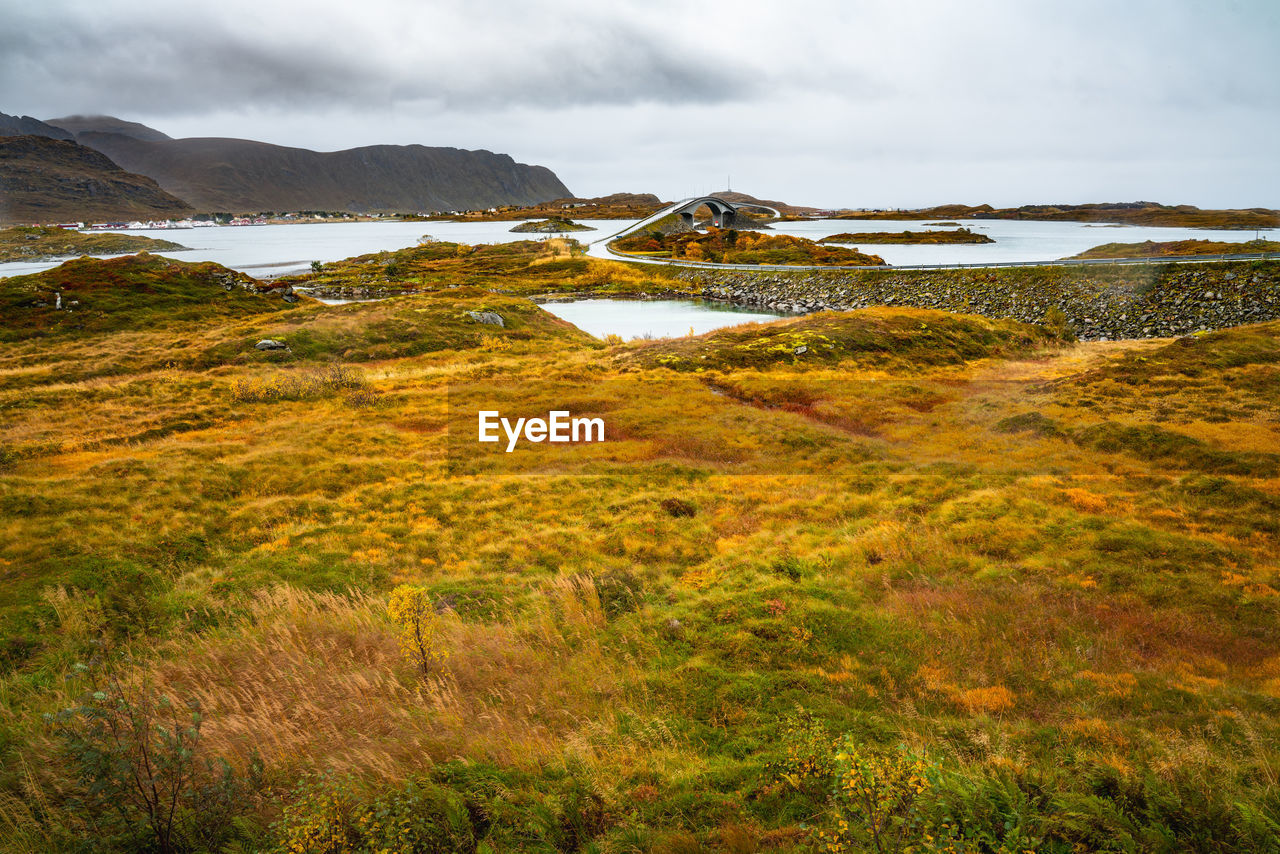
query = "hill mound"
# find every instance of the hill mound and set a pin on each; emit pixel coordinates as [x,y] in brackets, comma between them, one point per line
[731,246]
[906,337]
[53,180]
[90,295]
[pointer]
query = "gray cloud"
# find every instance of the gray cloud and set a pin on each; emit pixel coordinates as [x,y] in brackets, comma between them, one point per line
[824,101]
[167,58]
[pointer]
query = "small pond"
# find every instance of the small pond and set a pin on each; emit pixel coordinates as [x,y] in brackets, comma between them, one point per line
[652,318]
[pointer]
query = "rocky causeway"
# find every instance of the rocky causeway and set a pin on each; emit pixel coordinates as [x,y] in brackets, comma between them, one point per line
[1100,303]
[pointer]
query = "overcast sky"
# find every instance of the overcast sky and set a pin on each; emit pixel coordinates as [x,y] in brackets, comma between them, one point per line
[844,103]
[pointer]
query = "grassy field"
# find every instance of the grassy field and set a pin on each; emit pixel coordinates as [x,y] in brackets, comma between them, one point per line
[885,580]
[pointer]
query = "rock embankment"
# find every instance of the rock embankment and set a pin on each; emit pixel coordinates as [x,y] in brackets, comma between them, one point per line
[1100,303]
[353,292]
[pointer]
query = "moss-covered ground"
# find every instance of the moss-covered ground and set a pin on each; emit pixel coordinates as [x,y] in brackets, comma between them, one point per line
[890,579]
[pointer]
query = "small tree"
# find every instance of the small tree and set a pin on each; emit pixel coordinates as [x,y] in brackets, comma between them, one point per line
[877,799]
[1055,319]
[411,609]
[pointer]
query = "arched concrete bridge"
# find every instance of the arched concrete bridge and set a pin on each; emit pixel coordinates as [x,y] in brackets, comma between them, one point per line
[723,214]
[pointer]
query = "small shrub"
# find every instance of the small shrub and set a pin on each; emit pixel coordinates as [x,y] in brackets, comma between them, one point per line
[678,508]
[619,592]
[330,816]
[878,799]
[325,381]
[790,568]
[808,763]
[142,781]
[1030,422]
[1056,321]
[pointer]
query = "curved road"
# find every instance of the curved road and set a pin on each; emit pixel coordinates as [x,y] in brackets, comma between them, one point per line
[599,248]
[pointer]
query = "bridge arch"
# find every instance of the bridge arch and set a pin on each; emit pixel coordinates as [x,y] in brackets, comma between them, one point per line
[723,213]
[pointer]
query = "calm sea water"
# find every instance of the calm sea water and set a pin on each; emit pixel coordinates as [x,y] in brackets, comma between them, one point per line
[1015,240]
[652,318]
[272,250]
[266,250]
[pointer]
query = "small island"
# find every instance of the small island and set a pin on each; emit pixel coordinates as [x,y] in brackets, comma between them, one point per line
[960,235]
[730,246]
[45,243]
[550,226]
[1176,248]
[942,223]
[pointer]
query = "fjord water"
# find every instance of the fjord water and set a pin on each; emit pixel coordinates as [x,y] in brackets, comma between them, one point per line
[652,318]
[1015,240]
[273,250]
[270,250]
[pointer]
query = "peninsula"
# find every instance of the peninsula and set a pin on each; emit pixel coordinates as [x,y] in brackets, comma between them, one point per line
[44,243]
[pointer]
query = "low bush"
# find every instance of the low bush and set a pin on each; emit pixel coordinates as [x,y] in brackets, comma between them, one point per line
[324,381]
[143,781]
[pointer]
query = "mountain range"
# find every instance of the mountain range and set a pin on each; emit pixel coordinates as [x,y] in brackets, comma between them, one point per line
[238,175]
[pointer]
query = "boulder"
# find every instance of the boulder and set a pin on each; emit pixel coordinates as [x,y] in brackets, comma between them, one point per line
[488,317]
[271,344]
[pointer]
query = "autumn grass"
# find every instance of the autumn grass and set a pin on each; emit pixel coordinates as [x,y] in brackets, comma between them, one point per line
[1048,568]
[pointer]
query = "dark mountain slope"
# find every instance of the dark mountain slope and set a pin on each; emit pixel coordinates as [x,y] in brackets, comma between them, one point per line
[52,180]
[27,126]
[216,174]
